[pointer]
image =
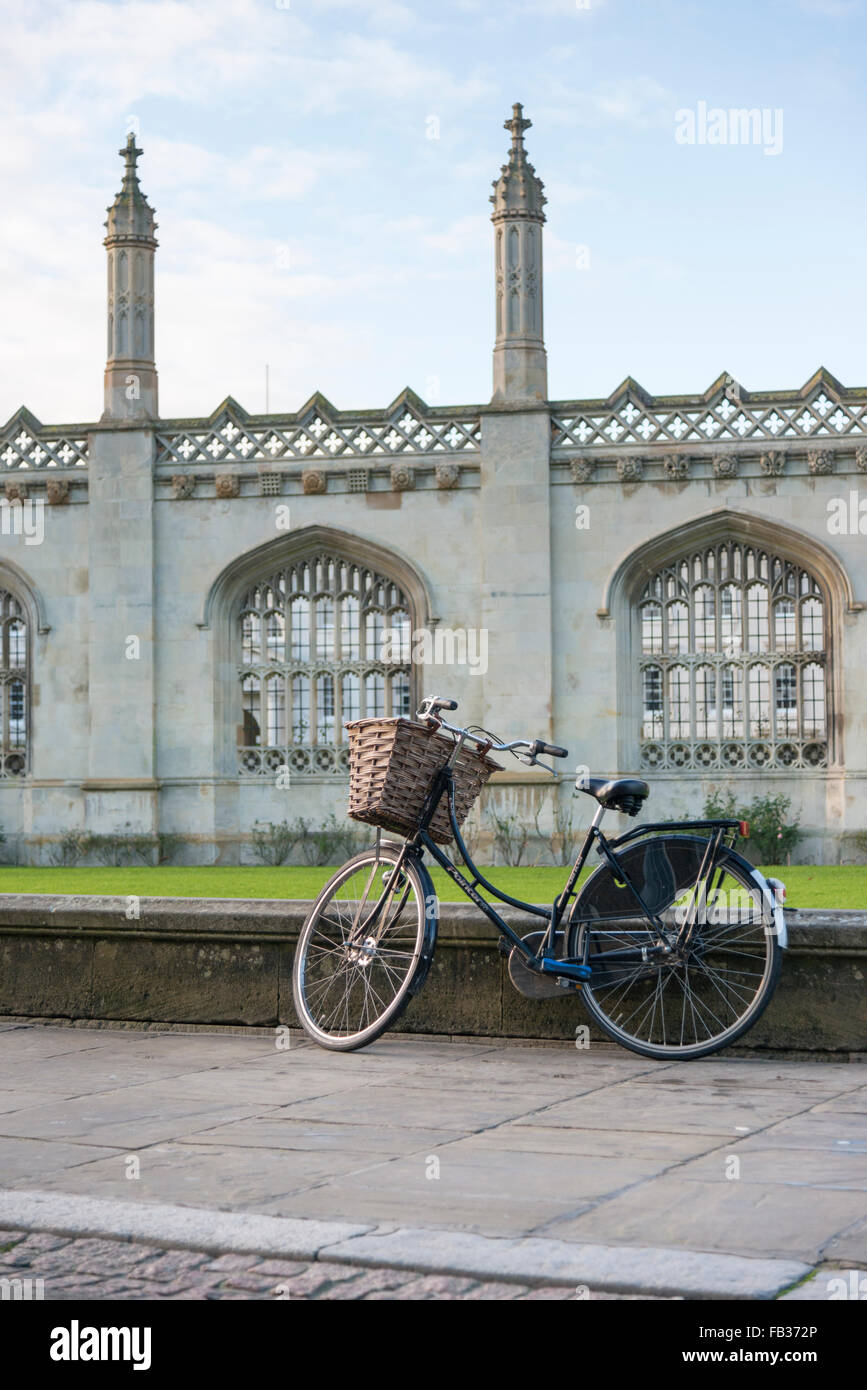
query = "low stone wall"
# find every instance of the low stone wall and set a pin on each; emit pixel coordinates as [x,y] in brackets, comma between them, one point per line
[229,961]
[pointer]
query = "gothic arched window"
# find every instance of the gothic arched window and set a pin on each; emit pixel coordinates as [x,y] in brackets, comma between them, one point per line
[320,641]
[733,644]
[13,686]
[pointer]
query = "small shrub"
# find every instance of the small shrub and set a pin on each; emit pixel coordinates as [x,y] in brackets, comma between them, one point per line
[329,843]
[70,850]
[510,838]
[145,848]
[273,844]
[564,839]
[168,845]
[111,850]
[774,832]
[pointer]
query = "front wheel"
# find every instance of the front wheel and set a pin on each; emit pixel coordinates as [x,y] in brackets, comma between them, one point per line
[691,997]
[365,948]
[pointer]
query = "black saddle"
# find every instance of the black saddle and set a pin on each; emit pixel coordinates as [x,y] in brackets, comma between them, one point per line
[616,793]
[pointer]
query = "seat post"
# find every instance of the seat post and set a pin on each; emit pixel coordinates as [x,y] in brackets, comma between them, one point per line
[597,819]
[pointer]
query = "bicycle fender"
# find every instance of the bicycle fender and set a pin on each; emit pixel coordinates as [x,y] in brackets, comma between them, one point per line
[769,890]
[769,895]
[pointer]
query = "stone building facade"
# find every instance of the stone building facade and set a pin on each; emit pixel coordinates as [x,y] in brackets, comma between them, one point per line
[191,607]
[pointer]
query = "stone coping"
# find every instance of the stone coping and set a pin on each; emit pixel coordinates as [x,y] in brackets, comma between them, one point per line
[274,919]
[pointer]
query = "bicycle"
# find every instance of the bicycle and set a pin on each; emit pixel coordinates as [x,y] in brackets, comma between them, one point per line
[673,943]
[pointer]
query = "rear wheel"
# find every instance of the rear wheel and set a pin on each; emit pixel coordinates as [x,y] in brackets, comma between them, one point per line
[699,995]
[365,948]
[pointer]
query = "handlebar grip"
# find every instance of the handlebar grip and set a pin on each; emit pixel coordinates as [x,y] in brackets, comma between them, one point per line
[444,704]
[551,750]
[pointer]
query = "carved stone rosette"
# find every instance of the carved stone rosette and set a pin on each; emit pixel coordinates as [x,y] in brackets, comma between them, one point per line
[227,485]
[447,475]
[630,470]
[16,490]
[725,466]
[313,481]
[57,491]
[861,458]
[183,485]
[402,477]
[773,462]
[676,466]
[820,462]
[582,470]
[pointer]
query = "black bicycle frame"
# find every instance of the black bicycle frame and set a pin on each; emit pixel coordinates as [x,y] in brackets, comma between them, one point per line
[444,783]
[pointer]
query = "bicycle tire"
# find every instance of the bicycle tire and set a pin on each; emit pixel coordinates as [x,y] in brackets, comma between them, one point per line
[664,865]
[357,953]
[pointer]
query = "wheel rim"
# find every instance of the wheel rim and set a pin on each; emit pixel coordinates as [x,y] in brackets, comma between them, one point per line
[359,953]
[675,1005]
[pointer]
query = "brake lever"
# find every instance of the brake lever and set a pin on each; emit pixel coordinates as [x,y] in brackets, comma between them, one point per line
[534,762]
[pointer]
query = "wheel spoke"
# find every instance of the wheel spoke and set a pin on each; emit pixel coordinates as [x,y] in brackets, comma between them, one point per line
[716,978]
[360,950]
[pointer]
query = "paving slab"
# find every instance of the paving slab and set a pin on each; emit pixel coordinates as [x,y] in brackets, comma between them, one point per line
[132,1117]
[469,1109]
[662,1146]
[199,1175]
[704,1108]
[820,1129]
[282,1132]
[754,1219]
[759,1162]
[23,1160]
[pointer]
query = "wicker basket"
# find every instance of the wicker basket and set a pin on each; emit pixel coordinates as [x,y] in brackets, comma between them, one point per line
[392,764]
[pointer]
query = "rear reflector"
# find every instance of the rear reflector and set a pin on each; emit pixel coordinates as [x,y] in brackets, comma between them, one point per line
[745,829]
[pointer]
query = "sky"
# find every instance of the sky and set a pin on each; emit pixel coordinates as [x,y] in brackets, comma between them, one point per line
[321,170]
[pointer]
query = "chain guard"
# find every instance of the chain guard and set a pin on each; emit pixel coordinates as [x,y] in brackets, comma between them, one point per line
[532,983]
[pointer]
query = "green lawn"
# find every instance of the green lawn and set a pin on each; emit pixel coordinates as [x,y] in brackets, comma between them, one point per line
[808,886]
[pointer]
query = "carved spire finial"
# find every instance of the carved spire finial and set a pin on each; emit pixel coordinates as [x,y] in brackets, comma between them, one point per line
[130,153]
[517,125]
[518,190]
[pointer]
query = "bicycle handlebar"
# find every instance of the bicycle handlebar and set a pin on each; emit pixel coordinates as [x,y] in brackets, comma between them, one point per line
[534,747]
